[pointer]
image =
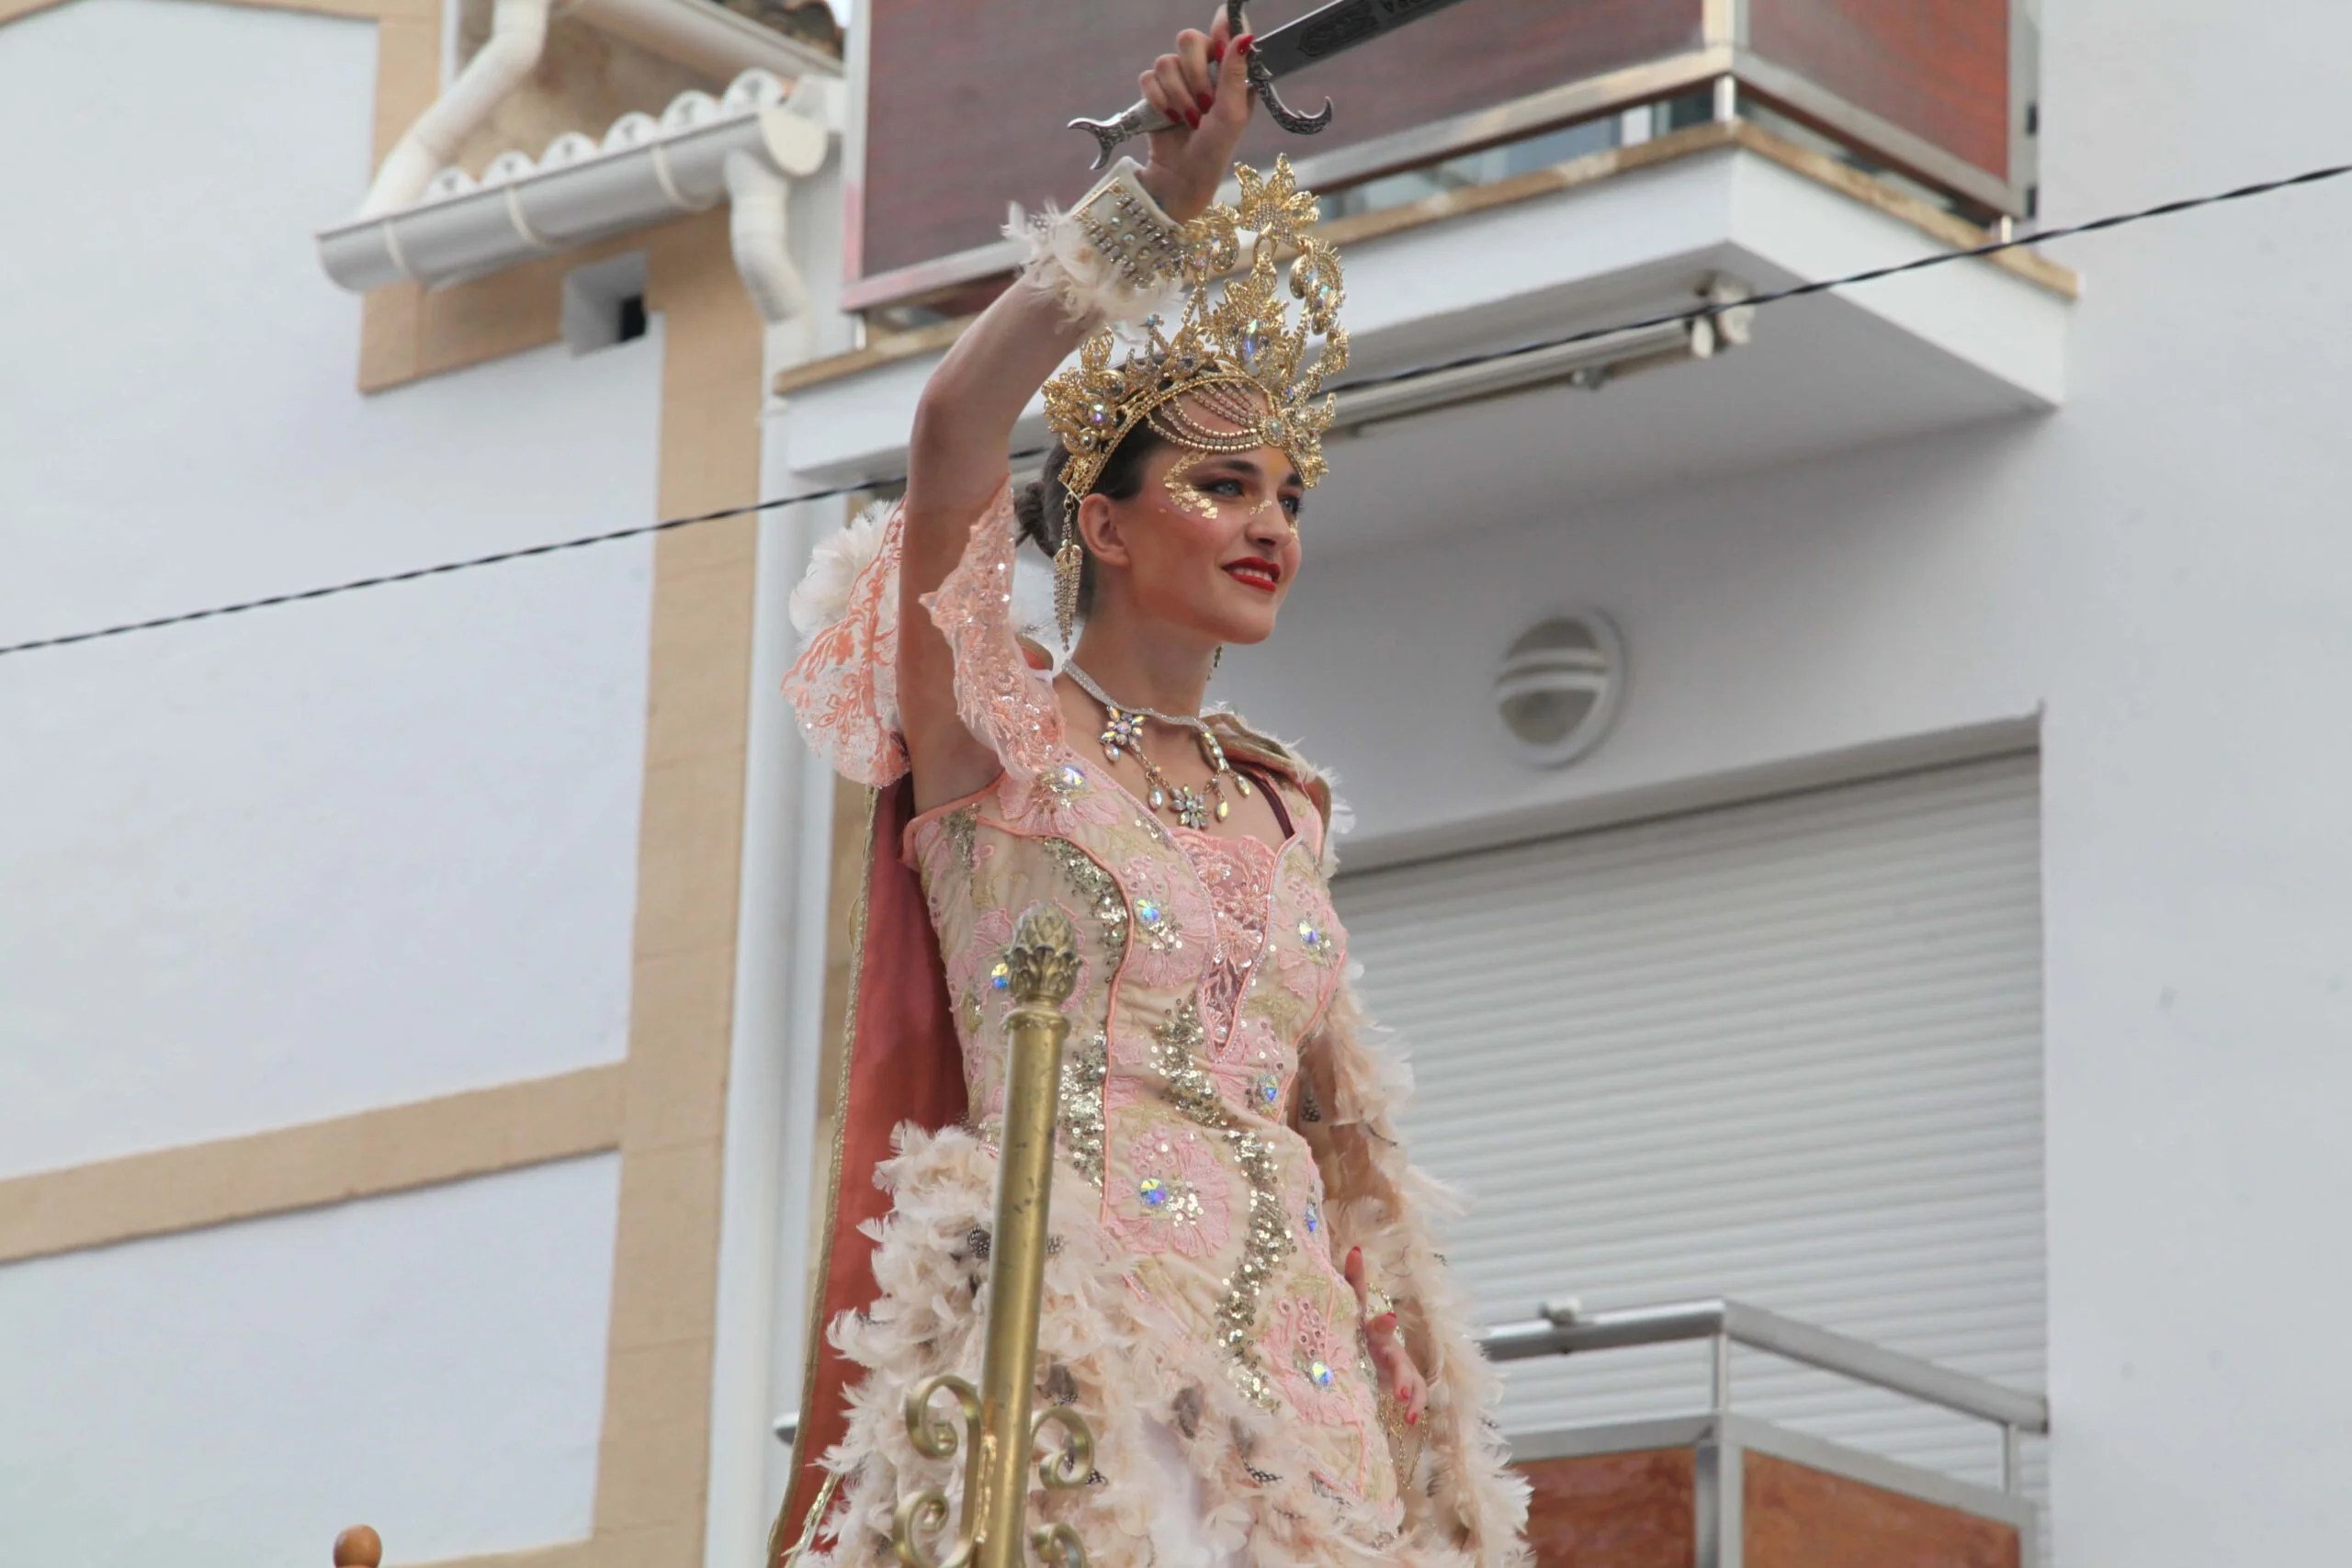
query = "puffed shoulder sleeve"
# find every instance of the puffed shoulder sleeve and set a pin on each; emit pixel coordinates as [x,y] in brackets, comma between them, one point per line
[1002,698]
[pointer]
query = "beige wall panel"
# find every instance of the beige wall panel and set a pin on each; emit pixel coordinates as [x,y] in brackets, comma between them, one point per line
[702,650]
[676,1084]
[407,73]
[386,1150]
[651,1462]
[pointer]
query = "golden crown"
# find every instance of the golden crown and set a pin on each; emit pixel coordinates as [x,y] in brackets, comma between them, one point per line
[1235,350]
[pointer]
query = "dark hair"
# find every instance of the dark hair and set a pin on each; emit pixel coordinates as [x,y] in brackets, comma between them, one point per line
[1039,502]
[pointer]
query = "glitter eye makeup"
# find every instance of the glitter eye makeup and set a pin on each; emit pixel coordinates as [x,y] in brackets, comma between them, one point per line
[1186,494]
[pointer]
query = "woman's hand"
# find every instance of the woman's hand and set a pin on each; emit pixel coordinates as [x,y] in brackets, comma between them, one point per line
[1390,1360]
[1204,87]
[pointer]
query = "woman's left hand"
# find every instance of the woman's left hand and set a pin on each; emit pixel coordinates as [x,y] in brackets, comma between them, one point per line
[1390,1360]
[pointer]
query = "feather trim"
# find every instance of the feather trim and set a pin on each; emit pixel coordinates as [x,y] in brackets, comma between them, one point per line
[821,597]
[1103,1346]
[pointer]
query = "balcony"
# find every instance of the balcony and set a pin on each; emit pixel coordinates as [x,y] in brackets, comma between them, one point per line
[1939,97]
[1504,172]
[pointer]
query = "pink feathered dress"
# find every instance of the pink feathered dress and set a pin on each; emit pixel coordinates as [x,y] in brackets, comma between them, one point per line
[1227,1134]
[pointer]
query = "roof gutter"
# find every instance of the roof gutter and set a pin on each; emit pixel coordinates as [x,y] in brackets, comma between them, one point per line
[428,221]
[645,172]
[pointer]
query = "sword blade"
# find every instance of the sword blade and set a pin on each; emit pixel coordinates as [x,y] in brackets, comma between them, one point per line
[1322,33]
[1336,29]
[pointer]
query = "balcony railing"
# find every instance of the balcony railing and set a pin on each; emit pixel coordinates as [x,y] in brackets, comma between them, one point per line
[1729,1322]
[962,114]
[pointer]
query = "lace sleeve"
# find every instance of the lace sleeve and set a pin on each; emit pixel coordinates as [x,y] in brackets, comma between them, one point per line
[845,686]
[1010,706]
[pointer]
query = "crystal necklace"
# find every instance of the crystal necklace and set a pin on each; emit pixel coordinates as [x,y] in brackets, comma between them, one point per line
[1123,736]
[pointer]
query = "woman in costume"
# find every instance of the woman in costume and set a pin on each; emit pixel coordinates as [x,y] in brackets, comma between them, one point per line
[1241,1293]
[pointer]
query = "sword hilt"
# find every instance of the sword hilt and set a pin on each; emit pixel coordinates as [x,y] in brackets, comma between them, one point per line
[1138,119]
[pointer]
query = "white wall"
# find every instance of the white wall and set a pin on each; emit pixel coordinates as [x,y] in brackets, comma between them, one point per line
[2162,567]
[430,1363]
[323,857]
[303,862]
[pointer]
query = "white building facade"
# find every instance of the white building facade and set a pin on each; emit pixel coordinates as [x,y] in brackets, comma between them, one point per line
[414,1001]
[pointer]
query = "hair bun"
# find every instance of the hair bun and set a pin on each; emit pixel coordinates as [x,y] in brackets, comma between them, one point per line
[1029,507]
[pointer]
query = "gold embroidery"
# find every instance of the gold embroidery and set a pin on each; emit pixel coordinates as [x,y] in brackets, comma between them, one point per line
[960,826]
[1175,1056]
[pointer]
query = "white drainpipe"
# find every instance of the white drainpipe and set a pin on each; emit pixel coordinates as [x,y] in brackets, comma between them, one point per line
[518,33]
[756,228]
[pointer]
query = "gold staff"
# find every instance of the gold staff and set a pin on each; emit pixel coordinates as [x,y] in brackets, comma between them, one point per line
[996,1427]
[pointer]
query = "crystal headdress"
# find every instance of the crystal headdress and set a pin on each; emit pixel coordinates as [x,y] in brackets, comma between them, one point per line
[1235,351]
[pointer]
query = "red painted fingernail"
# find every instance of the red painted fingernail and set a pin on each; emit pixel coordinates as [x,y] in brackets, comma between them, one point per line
[1193,118]
[1208,102]
[1412,1419]
[1242,45]
[1216,52]
[1355,1255]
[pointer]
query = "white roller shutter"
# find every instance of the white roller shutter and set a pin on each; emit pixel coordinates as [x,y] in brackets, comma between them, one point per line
[1788,1051]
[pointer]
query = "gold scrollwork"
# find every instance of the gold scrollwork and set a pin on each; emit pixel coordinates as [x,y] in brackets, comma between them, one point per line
[1072,1464]
[1057,1546]
[935,1435]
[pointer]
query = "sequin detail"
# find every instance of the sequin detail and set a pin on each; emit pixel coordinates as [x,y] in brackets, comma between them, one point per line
[1315,942]
[1078,1129]
[1176,1044]
[1160,928]
[1098,888]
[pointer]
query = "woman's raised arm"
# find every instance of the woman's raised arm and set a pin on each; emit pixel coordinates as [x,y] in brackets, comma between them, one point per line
[964,421]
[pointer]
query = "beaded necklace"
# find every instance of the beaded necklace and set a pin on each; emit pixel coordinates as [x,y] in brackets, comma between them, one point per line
[1123,736]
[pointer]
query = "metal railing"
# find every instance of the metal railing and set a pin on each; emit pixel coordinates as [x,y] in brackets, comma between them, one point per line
[1567,1330]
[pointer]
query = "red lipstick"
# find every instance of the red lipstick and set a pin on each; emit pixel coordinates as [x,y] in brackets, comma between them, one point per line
[1255,571]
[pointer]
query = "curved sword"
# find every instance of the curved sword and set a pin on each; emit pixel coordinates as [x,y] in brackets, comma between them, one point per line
[1317,36]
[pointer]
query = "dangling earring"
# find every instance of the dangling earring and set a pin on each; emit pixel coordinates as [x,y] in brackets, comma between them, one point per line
[1070,566]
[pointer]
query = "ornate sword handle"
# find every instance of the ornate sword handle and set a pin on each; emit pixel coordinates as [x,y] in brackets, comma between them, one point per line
[1140,118]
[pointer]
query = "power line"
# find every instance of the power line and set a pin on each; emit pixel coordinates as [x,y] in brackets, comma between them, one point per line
[1694,313]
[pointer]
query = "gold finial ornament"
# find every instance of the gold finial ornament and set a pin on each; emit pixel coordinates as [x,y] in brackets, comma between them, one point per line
[1235,352]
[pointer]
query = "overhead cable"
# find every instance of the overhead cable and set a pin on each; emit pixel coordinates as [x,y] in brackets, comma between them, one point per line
[1693,313]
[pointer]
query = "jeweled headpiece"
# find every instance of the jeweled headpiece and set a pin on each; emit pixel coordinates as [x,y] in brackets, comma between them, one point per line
[1235,349]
